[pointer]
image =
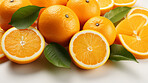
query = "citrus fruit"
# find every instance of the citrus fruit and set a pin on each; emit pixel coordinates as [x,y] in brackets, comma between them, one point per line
[121,3]
[58,24]
[89,49]
[7,8]
[133,35]
[47,3]
[22,45]
[102,25]
[1,1]
[85,9]
[138,10]
[1,52]
[105,5]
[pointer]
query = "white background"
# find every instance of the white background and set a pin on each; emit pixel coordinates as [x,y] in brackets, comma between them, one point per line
[41,71]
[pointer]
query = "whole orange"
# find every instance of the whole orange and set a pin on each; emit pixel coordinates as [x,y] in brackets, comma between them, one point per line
[7,8]
[58,24]
[102,25]
[85,9]
[47,3]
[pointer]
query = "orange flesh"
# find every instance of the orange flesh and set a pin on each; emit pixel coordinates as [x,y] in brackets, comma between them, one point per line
[140,11]
[123,1]
[104,3]
[134,33]
[25,43]
[89,48]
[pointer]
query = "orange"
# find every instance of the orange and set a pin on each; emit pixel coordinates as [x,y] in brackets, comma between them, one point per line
[85,9]
[58,24]
[7,8]
[121,3]
[1,52]
[47,3]
[1,1]
[133,35]
[102,25]
[105,5]
[138,10]
[22,45]
[89,49]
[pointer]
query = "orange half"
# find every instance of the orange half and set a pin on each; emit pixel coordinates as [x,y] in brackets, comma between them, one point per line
[121,3]
[22,45]
[89,49]
[105,5]
[1,52]
[140,10]
[132,33]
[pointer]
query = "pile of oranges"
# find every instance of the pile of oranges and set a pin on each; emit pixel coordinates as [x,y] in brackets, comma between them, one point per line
[73,23]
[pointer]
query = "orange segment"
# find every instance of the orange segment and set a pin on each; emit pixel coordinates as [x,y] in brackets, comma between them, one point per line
[133,34]
[22,46]
[105,5]
[140,10]
[120,3]
[89,49]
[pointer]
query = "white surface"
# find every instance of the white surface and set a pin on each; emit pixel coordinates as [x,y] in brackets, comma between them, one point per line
[41,71]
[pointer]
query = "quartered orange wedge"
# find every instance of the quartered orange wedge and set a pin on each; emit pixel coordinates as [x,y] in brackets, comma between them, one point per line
[22,45]
[133,34]
[89,49]
[140,10]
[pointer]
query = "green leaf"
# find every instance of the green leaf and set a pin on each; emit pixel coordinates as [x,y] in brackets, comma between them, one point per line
[117,14]
[57,55]
[25,16]
[118,53]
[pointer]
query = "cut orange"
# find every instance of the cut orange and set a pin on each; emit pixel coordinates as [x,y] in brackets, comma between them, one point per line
[22,45]
[140,10]
[1,34]
[132,33]
[121,3]
[89,49]
[105,5]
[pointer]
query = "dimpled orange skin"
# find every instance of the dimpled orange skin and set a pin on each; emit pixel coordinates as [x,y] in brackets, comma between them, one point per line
[47,3]
[7,9]
[85,9]
[105,27]
[58,24]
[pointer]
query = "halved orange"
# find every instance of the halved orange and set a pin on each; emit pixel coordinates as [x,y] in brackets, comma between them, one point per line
[140,10]
[105,5]
[121,3]
[22,45]
[1,34]
[89,49]
[132,33]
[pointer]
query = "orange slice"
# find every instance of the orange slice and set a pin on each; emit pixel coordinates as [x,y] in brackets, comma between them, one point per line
[89,49]
[140,10]
[1,34]
[22,45]
[105,5]
[132,33]
[120,3]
